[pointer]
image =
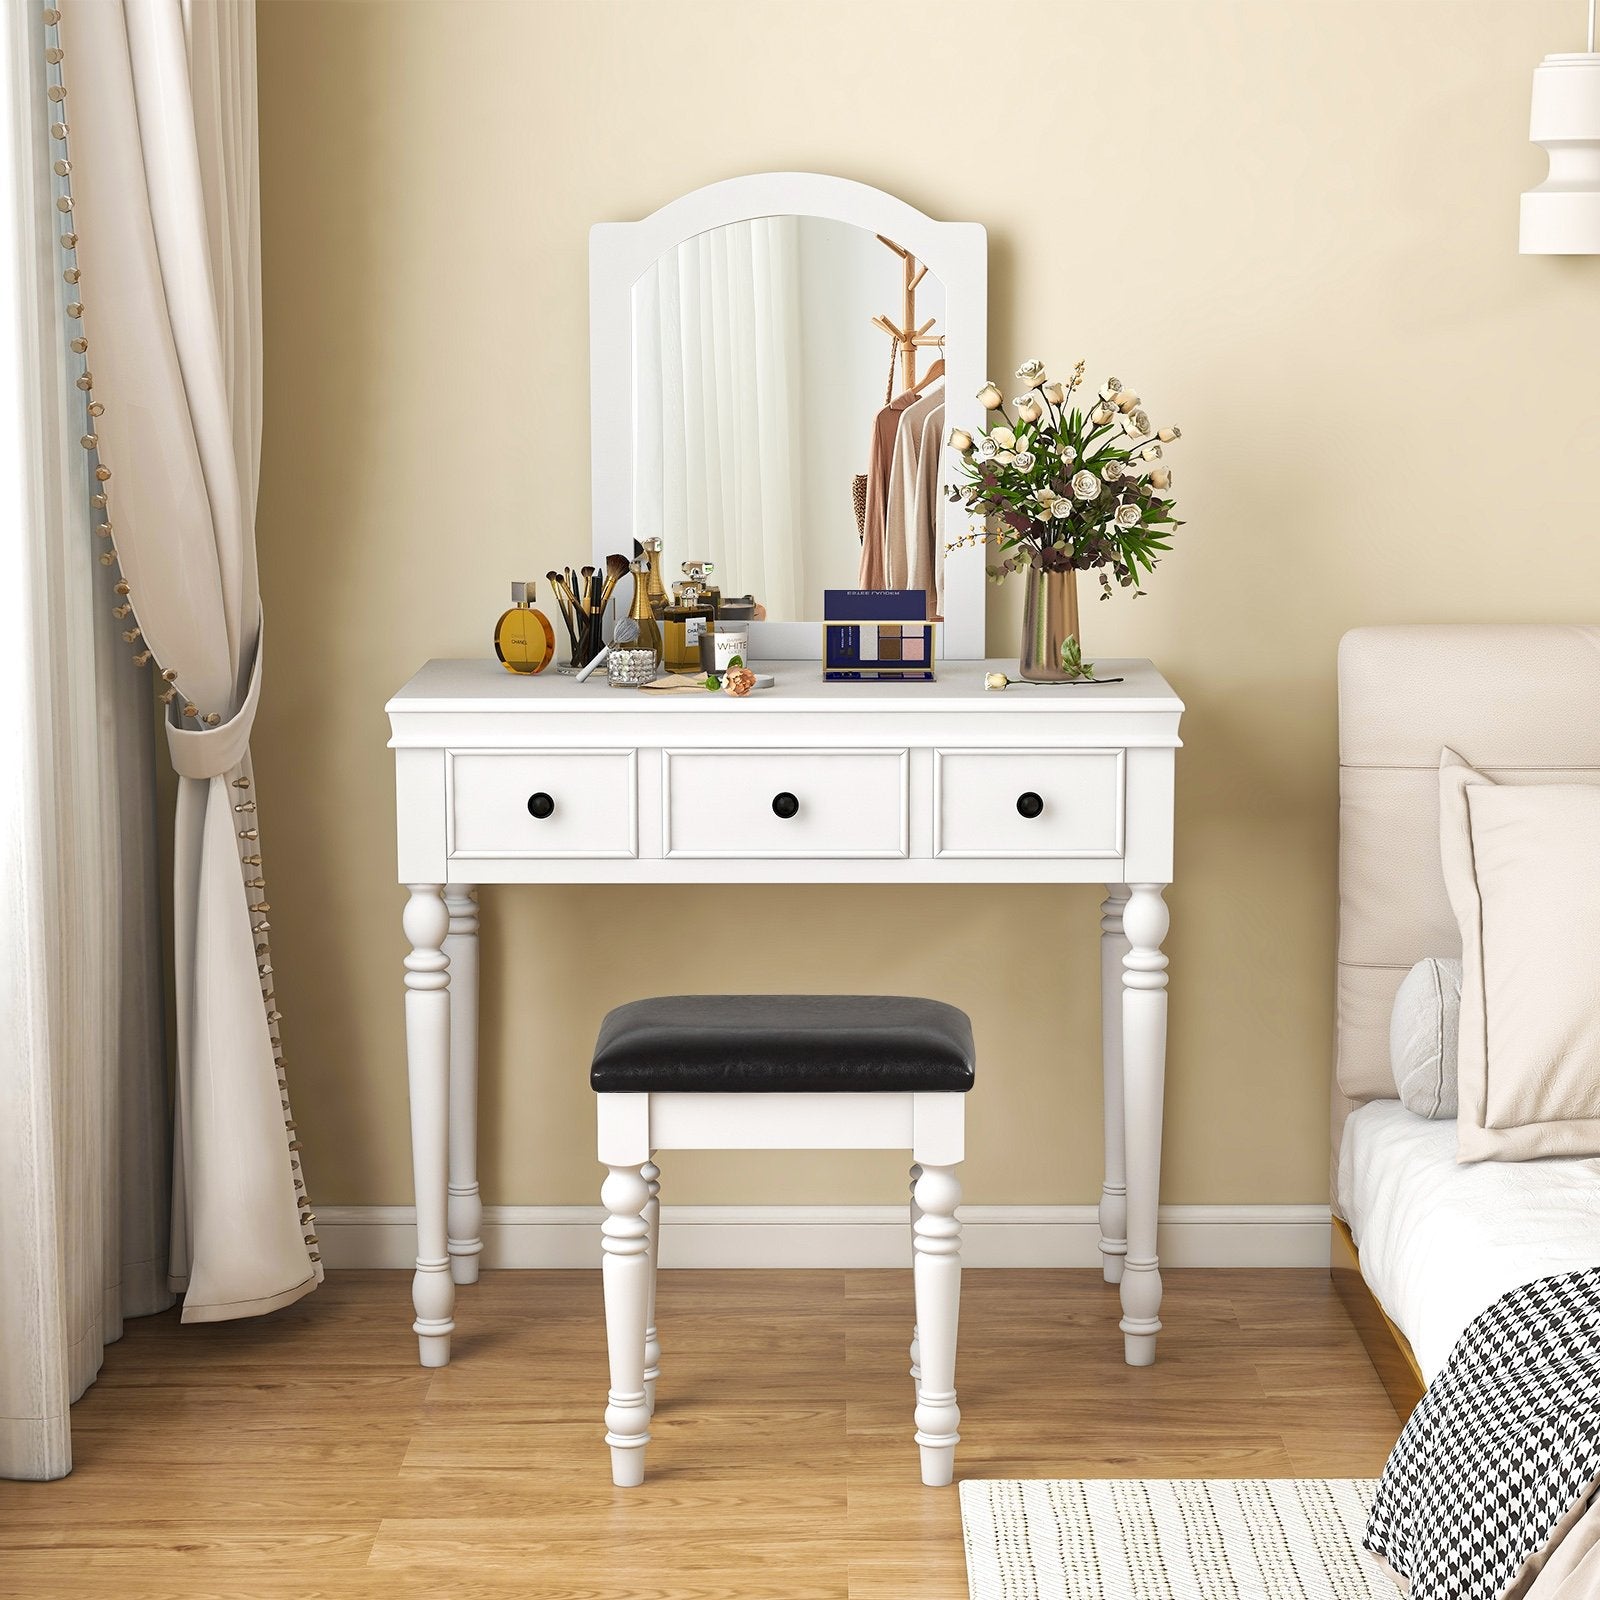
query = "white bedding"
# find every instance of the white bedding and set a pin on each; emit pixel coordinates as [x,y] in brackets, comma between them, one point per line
[1439,1242]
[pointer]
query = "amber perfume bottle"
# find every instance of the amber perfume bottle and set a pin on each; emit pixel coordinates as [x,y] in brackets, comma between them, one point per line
[523,637]
[682,623]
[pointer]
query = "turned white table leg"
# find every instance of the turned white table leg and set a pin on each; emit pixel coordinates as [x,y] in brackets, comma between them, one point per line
[916,1352]
[426,924]
[465,1207]
[1144,1067]
[652,1240]
[1114,1189]
[937,1273]
[626,1278]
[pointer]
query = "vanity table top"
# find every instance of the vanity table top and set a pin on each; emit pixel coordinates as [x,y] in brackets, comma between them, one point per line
[485,686]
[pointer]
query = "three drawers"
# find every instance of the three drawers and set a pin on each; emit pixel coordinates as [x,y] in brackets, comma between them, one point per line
[796,804]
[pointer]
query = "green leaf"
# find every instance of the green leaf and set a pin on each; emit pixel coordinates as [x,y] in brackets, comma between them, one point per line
[737,661]
[1072,662]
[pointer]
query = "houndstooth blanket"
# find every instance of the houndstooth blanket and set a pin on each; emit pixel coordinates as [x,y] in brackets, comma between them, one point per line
[1502,1451]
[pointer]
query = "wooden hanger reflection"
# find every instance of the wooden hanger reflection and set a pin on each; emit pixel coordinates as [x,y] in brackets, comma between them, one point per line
[910,336]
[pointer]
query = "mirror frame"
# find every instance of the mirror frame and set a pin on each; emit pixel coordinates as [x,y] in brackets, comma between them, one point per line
[621,252]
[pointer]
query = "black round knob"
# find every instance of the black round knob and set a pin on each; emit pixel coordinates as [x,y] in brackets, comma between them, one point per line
[540,805]
[784,805]
[1029,804]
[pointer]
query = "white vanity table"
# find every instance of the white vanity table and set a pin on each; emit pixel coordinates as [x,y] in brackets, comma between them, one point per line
[510,780]
[739,329]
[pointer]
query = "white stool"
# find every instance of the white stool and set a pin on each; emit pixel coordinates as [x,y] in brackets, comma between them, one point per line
[780,1072]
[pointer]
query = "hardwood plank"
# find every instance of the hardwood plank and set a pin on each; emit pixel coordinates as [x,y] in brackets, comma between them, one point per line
[305,1456]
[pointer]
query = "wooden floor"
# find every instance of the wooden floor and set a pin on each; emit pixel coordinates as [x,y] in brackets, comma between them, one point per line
[306,1455]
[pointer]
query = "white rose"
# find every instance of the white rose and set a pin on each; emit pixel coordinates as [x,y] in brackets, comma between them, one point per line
[1151,452]
[1141,419]
[989,397]
[1127,400]
[1061,510]
[1003,437]
[1086,486]
[1028,409]
[1101,415]
[960,440]
[988,449]
[1167,435]
[1067,453]
[1113,386]
[1111,471]
[1033,371]
[1127,517]
[1024,461]
[1055,393]
[1161,479]
[995,680]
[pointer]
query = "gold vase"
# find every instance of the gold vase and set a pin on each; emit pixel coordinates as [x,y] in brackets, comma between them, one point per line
[1049,619]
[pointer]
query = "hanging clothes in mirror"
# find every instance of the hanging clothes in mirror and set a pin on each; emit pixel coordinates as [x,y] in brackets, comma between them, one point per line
[880,464]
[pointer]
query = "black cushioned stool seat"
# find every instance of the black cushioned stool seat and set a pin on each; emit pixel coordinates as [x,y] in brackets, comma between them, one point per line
[792,1043]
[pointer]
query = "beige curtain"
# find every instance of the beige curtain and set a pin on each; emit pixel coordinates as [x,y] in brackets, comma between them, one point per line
[719,465]
[161,112]
[83,1095]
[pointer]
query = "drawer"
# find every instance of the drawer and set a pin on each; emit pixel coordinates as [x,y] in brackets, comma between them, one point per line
[1028,802]
[555,803]
[732,803]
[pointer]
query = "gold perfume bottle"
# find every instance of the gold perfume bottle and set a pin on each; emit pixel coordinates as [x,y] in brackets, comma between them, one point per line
[640,612]
[523,637]
[655,590]
[684,620]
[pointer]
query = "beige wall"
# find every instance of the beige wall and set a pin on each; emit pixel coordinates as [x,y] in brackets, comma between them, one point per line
[1291,226]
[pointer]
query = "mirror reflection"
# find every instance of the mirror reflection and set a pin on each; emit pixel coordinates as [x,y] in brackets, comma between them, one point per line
[789,413]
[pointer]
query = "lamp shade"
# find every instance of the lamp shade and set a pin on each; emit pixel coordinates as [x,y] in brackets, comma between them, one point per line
[1562,216]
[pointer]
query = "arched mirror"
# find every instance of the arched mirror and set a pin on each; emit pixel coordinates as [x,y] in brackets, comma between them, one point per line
[776,363]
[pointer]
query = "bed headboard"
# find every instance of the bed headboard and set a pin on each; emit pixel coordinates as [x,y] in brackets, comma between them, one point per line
[1518,700]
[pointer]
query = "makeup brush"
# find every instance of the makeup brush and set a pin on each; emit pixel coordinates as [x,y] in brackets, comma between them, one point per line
[587,592]
[564,599]
[558,587]
[615,567]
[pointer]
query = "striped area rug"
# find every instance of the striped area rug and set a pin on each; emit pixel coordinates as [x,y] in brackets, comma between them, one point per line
[1170,1539]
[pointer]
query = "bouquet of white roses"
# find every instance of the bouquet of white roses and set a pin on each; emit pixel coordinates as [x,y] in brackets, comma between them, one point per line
[1058,485]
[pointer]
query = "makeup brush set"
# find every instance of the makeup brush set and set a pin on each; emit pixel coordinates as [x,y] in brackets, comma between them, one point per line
[583,595]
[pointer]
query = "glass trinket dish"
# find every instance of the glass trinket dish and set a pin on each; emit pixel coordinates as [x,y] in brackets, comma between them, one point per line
[628,667]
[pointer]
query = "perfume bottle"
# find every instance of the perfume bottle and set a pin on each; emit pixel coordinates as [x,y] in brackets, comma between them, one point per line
[523,637]
[697,575]
[641,613]
[655,590]
[682,623]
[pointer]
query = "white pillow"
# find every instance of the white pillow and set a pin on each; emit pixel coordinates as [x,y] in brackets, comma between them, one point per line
[1522,866]
[1424,1029]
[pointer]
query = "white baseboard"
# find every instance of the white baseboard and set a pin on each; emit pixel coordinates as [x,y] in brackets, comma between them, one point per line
[839,1236]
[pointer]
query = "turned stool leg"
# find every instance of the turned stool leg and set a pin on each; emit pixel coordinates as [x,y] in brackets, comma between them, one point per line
[937,1267]
[916,1353]
[626,1275]
[652,1221]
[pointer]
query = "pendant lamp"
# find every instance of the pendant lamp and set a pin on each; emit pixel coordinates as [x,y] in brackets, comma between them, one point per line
[1562,216]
